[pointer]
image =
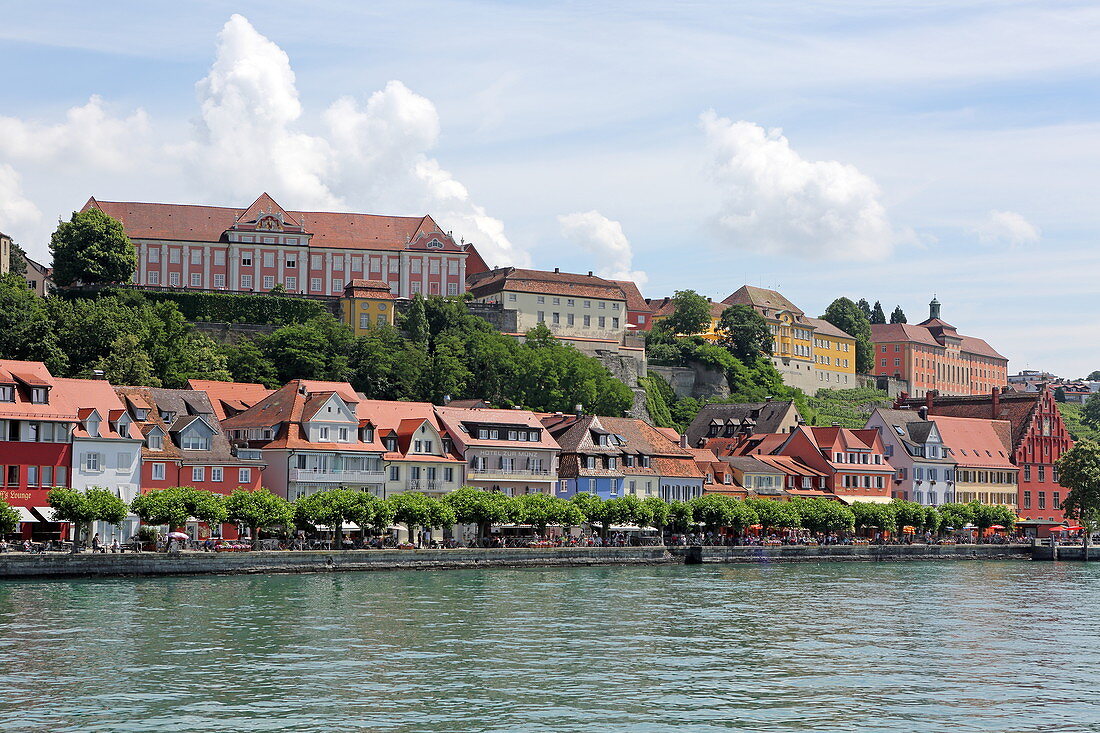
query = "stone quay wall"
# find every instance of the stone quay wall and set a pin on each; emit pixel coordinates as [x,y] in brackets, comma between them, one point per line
[21,565]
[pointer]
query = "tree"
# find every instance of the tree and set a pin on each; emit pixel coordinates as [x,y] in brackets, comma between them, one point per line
[930,521]
[161,507]
[1090,412]
[315,349]
[1059,394]
[246,363]
[81,508]
[17,260]
[26,329]
[691,314]
[540,337]
[877,314]
[415,322]
[774,514]
[681,515]
[955,516]
[744,332]
[634,511]
[908,513]
[590,506]
[1079,471]
[987,515]
[1093,376]
[257,509]
[483,508]
[92,249]
[542,510]
[416,510]
[870,515]
[205,506]
[864,308]
[128,363]
[846,315]
[824,516]
[332,508]
[659,512]
[9,518]
[898,316]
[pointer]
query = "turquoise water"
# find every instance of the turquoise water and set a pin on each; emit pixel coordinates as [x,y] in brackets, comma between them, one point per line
[966,646]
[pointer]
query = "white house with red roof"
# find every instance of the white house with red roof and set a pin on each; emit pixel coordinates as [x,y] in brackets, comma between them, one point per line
[504,450]
[420,455]
[312,438]
[309,252]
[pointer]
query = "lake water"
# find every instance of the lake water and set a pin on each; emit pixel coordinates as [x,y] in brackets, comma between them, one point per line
[948,646]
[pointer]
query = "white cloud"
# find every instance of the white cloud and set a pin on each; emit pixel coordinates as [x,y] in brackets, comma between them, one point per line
[1007,227]
[775,201]
[16,211]
[249,138]
[605,239]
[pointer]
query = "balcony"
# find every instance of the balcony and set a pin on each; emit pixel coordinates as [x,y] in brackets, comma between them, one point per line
[250,454]
[507,474]
[317,475]
[417,484]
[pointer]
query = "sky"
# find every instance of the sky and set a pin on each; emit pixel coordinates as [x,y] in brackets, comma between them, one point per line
[891,151]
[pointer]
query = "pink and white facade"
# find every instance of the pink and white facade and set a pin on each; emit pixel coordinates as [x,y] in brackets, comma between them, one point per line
[313,253]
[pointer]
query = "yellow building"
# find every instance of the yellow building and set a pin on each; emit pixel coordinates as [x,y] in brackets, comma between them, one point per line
[834,354]
[367,304]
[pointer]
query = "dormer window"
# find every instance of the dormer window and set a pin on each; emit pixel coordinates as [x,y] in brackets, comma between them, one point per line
[155,441]
[167,416]
[193,441]
[368,435]
[7,393]
[322,433]
[92,426]
[268,434]
[40,395]
[391,444]
[141,414]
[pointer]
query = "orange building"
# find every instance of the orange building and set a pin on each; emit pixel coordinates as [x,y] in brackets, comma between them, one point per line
[933,355]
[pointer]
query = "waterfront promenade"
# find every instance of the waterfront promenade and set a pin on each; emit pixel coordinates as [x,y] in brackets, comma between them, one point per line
[21,565]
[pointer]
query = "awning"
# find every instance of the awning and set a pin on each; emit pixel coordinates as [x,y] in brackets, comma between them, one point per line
[45,512]
[25,514]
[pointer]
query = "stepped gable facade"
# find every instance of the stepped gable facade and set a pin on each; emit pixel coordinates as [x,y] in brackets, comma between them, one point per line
[261,246]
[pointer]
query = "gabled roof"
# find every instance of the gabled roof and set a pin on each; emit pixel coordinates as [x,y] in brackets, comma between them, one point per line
[920,334]
[369,289]
[564,284]
[62,404]
[454,419]
[761,298]
[187,406]
[97,395]
[237,396]
[976,442]
[402,420]
[634,299]
[825,328]
[768,417]
[1018,408]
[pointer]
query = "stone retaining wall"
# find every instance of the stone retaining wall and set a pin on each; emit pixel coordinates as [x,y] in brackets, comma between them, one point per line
[20,565]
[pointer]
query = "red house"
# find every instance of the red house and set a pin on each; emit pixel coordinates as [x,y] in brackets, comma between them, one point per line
[1038,435]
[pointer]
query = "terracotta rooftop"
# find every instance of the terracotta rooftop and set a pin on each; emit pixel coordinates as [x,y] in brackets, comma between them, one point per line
[634,299]
[761,298]
[565,284]
[918,334]
[230,397]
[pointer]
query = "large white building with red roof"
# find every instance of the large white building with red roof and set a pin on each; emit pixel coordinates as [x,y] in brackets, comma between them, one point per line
[933,355]
[263,245]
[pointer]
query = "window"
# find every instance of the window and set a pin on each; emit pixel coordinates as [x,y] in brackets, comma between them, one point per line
[452,288]
[541,317]
[395,265]
[322,433]
[1042,500]
[884,361]
[269,259]
[590,461]
[615,322]
[193,441]
[452,267]
[415,265]
[395,473]
[1042,474]
[587,321]
[337,286]
[158,472]
[32,475]
[588,304]
[338,262]
[246,259]
[315,262]
[219,280]
[315,284]
[217,473]
[154,256]
[356,264]
[174,279]
[174,256]
[897,362]
[291,283]
[511,296]
[556,318]
[448,474]
[269,282]
[154,278]
[7,393]
[244,475]
[603,304]
[91,461]
[540,299]
[364,320]
[198,473]
[1027,472]
[246,282]
[570,319]
[417,286]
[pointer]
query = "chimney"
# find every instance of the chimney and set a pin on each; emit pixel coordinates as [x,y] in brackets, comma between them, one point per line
[929,398]
[98,374]
[557,270]
[995,407]
[578,409]
[767,398]
[923,412]
[590,273]
[683,441]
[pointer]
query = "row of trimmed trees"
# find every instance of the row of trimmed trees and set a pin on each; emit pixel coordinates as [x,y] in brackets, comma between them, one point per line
[337,508]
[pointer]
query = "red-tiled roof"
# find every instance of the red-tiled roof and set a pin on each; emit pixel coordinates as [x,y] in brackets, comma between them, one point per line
[1016,407]
[761,298]
[825,328]
[565,284]
[918,334]
[977,443]
[237,395]
[634,299]
[61,404]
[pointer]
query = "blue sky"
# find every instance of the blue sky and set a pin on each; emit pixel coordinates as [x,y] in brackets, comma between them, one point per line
[852,148]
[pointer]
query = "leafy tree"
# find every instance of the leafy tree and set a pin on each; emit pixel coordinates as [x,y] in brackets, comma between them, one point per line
[1059,394]
[1079,471]
[877,314]
[203,505]
[17,260]
[774,514]
[691,314]
[386,366]
[1093,376]
[332,508]
[483,508]
[987,515]
[245,362]
[415,322]
[9,518]
[658,512]
[908,513]
[715,511]
[955,516]
[824,516]
[127,363]
[26,329]
[81,508]
[416,510]
[870,515]
[898,316]
[590,506]
[92,248]
[744,332]
[542,510]
[257,509]
[930,522]
[162,506]
[847,316]
[681,515]
[1090,412]
[540,337]
[370,511]
[316,349]
[864,308]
